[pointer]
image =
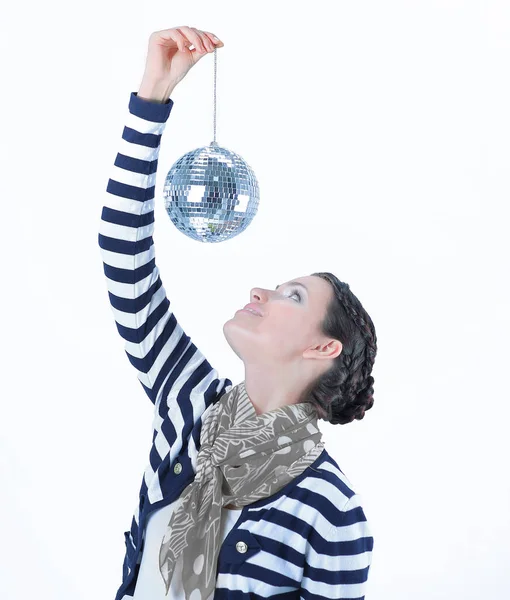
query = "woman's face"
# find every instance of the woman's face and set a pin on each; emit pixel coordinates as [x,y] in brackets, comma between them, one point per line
[288,329]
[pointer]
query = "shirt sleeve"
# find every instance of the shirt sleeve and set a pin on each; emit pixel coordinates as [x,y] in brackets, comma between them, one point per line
[338,563]
[154,341]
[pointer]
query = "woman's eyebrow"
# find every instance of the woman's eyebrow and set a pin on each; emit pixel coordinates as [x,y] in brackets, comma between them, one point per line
[294,283]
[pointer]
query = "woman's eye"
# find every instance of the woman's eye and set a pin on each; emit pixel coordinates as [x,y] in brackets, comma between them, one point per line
[295,293]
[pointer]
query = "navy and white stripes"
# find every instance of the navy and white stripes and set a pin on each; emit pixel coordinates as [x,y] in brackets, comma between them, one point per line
[309,541]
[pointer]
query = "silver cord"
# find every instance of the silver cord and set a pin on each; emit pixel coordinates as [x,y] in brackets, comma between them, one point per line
[213,143]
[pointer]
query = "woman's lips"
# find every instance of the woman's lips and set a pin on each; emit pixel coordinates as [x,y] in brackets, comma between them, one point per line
[253,307]
[250,312]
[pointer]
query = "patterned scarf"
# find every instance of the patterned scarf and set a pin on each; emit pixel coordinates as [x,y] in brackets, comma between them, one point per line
[243,457]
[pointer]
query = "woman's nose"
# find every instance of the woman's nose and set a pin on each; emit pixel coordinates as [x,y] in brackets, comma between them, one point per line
[258,294]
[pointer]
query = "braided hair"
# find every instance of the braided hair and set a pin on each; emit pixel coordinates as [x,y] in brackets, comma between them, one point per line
[345,391]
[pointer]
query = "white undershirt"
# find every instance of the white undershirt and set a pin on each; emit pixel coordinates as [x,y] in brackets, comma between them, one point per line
[150,584]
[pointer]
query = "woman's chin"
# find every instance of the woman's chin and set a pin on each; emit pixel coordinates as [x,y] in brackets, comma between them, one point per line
[239,337]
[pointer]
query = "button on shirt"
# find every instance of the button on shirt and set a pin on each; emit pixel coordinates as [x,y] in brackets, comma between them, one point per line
[150,584]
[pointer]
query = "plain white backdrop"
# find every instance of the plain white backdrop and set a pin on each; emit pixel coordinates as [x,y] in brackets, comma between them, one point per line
[379,133]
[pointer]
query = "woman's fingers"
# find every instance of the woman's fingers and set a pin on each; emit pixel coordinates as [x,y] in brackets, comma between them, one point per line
[214,40]
[193,37]
[206,42]
[209,40]
[181,40]
[184,36]
[202,40]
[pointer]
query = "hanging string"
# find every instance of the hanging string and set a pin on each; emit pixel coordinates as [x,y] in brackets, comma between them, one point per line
[213,143]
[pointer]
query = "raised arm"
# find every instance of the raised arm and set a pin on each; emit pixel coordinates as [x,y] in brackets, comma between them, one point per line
[154,340]
[165,359]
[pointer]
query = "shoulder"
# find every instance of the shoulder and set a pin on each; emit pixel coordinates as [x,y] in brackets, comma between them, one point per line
[327,479]
[332,500]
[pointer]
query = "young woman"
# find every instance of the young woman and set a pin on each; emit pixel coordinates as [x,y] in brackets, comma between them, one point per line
[239,494]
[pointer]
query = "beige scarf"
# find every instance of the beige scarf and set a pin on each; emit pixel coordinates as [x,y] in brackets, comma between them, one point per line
[243,457]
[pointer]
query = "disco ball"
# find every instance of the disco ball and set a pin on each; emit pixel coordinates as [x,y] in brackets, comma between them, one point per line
[211,194]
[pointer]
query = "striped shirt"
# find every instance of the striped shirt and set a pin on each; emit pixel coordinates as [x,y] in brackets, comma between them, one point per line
[308,541]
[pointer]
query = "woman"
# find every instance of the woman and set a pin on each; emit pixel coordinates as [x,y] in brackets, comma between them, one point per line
[239,494]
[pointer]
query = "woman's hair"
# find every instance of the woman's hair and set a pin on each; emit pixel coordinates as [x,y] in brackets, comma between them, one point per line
[345,391]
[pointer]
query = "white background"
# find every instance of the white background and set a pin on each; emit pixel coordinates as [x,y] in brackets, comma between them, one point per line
[379,133]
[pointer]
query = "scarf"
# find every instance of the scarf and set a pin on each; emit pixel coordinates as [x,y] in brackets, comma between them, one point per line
[243,457]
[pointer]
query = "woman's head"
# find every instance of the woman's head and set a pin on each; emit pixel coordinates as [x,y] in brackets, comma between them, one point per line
[314,341]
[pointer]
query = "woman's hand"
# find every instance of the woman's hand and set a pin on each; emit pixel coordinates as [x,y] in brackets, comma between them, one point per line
[169,58]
